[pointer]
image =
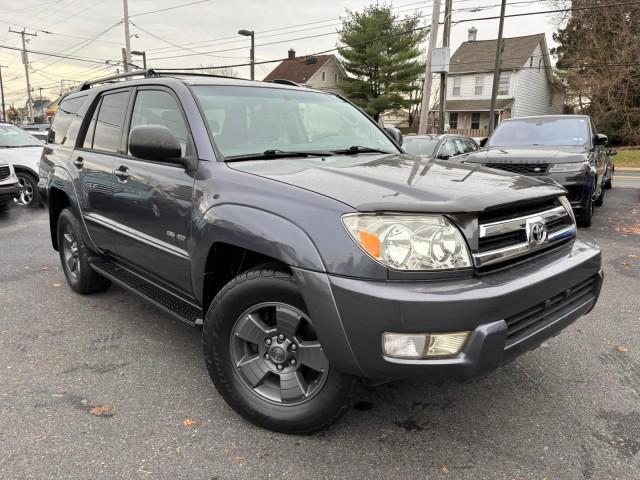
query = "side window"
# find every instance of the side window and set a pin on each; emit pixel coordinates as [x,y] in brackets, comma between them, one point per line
[448,149]
[471,145]
[107,123]
[67,111]
[88,138]
[461,146]
[157,107]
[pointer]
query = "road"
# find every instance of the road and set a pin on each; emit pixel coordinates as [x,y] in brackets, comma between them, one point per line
[106,386]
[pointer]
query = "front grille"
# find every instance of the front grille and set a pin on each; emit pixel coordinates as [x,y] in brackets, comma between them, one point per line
[522,229]
[539,316]
[4,172]
[521,168]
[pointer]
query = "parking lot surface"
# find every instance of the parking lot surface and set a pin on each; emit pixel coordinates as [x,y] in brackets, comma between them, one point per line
[106,386]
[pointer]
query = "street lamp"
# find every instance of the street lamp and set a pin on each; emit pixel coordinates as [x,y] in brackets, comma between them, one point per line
[252,58]
[144,57]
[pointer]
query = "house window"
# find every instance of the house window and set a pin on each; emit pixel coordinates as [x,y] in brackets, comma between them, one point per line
[335,78]
[503,86]
[479,85]
[453,120]
[475,121]
[324,76]
[455,88]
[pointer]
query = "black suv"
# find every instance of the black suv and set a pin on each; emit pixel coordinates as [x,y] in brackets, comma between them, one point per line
[310,248]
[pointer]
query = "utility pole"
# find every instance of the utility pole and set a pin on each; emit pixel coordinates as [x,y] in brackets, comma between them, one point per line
[496,70]
[252,52]
[127,38]
[428,76]
[41,109]
[4,111]
[25,62]
[446,34]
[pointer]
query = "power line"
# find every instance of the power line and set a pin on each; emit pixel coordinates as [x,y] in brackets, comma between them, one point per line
[51,54]
[167,8]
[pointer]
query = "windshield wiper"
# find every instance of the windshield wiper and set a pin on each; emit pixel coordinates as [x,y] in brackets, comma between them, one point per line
[355,149]
[274,153]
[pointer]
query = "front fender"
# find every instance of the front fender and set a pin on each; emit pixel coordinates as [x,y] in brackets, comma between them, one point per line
[253,229]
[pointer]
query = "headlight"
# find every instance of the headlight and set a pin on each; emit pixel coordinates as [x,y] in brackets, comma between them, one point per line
[568,167]
[409,242]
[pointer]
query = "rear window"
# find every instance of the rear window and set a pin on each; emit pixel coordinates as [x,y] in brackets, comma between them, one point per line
[533,132]
[105,131]
[67,111]
[420,146]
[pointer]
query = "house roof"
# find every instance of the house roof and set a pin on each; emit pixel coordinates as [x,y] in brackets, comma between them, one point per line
[298,69]
[475,105]
[480,56]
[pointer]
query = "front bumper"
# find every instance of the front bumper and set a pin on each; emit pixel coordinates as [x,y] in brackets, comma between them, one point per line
[483,304]
[8,192]
[578,184]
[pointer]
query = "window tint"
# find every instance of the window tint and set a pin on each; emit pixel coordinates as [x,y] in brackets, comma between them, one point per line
[448,149]
[108,126]
[88,138]
[471,145]
[542,131]
[67,111]
[157,107]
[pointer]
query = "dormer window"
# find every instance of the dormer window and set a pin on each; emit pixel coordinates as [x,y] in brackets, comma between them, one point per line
[479,90]
[324,76]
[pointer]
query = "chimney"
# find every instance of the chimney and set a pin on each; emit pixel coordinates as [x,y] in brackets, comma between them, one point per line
[292,53]
[473,33]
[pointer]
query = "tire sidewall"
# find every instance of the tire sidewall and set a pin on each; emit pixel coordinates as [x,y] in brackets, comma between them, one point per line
[224,311]
[81,283]
[35,199]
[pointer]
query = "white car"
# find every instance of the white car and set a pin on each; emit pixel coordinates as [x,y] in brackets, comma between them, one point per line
[8,185]
[22,150]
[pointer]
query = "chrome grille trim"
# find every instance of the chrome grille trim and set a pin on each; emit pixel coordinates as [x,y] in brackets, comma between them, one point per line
[525,225]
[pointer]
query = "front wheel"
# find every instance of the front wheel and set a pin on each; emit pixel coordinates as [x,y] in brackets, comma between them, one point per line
[585,218]
[264,356]
[29,195]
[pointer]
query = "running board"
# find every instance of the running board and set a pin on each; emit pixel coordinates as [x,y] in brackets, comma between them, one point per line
[177,307]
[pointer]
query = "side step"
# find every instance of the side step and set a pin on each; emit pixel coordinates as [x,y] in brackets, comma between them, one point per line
[177,307]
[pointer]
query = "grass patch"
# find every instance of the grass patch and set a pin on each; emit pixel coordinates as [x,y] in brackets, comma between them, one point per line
[627,158]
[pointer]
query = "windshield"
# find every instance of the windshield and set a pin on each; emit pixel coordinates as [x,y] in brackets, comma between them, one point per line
[11,136]
[569,131]
[420,146]
[250,120]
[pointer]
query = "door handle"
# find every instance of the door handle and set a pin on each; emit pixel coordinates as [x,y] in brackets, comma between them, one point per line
[122,173]
[79,162]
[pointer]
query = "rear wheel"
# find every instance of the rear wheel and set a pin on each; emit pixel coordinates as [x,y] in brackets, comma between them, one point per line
[608,184]
[264,356]
[599,201]
[75,255]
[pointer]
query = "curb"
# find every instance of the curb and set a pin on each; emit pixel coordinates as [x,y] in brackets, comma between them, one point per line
[627,169]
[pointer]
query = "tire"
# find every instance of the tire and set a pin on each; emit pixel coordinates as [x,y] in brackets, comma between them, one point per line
[585,219]
[29,197]
[256,391]
[608,184]
[75,255]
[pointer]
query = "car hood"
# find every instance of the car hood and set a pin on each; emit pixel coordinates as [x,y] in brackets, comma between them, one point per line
[22,156]
[401,182]
[529,155]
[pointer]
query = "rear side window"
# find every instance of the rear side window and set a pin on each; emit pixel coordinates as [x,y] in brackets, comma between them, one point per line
[67,111]
[105,131]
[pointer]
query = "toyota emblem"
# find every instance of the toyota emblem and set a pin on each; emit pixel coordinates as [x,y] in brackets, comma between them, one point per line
[538,232]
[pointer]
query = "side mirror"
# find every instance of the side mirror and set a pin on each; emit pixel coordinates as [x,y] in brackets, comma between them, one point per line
[444,156]
[612,152]
[395,134]
[483,142]
[600,139]
[154,142]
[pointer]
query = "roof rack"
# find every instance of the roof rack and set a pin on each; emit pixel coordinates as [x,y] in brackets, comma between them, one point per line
[284,81]
[152,73]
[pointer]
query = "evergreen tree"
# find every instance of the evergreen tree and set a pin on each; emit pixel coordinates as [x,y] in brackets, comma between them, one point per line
[382,57]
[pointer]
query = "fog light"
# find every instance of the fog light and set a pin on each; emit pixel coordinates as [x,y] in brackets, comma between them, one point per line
[423,345]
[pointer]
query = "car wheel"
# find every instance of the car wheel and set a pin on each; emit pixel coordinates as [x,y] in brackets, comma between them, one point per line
[28,196]
[265,359]
[75,255]
[608,184]
[599,201]
[585,219]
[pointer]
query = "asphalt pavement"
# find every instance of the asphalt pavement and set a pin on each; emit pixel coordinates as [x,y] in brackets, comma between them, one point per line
[106,386]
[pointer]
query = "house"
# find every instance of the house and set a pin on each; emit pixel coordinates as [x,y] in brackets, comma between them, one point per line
[526,85]
[322,72]
[395,118]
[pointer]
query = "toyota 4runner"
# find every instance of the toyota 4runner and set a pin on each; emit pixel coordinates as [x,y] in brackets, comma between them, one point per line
[310,248]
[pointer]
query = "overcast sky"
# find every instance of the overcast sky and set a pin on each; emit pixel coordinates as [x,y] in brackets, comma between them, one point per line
[206,32]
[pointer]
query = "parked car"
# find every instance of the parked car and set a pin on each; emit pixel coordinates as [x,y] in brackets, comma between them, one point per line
[439,146]
[566,148]
[8,184]
[38,130]
[23,151]
[310,248]
[611,168]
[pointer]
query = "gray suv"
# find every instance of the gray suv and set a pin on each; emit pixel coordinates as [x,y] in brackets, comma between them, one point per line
[307,245]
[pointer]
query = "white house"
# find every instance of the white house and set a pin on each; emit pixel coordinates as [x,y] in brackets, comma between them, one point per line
[322,72]
[526,84]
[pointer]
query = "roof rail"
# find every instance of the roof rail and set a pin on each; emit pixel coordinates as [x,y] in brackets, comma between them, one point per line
[147,73]
[177,72]
[284,81]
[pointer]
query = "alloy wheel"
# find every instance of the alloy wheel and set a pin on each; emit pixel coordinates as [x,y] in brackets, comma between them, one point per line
[276,353]
[71,252]
[25,197]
